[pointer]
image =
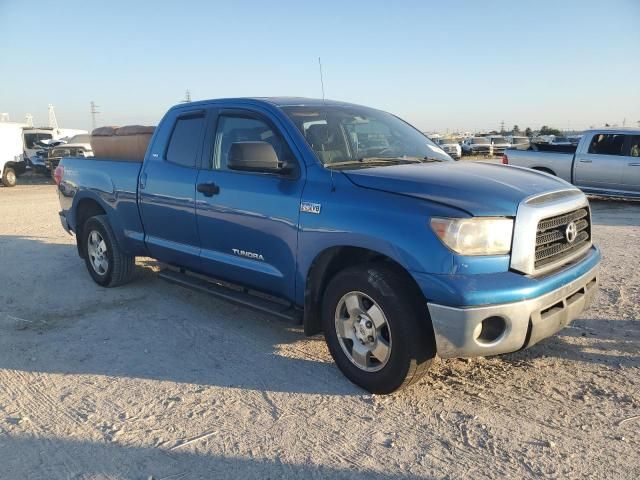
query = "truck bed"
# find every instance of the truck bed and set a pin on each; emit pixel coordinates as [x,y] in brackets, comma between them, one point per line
[558,163]
[113,184]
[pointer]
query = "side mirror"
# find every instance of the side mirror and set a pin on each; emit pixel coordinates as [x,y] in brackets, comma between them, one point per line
[255,157]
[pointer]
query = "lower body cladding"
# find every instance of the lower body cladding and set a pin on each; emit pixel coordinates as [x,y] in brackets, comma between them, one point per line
[508,327]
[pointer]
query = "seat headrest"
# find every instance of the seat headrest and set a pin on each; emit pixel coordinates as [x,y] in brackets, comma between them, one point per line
[318,134]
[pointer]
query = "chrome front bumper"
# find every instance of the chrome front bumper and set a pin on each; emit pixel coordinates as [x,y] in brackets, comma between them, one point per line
[525,322]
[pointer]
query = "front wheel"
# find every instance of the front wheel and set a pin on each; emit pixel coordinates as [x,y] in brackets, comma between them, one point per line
[377,329]
[108,265]
[9,178]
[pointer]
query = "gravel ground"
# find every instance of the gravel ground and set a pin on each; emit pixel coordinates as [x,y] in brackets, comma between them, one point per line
[154,381]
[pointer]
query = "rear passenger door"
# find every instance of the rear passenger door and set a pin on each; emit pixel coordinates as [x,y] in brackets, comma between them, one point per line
[631,173]
[248,221]
[167,189]
[601,166]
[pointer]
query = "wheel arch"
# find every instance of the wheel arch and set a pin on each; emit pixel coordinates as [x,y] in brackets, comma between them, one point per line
[328,263]
[86,208]
[545,170]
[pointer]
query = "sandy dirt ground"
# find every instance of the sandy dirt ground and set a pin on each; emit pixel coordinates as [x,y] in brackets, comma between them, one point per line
[151,380]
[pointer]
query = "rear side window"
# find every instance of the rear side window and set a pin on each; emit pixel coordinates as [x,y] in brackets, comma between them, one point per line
[185,141]
[632,148]
[607,144]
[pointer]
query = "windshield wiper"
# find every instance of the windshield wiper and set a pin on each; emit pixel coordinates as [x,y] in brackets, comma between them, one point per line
[374,160]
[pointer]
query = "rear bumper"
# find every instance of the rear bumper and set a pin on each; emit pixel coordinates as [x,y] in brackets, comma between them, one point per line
[64,222]
[521,323]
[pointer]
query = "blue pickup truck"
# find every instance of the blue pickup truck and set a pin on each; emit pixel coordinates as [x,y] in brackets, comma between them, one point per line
[346,220]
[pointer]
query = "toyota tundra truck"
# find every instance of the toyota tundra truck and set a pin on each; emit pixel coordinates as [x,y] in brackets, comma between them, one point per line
[346,220]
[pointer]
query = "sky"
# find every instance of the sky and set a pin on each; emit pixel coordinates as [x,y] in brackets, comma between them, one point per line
[441,65]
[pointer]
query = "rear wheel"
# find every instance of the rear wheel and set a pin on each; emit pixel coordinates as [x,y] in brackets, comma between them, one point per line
[377,331]
[9,177]
[108,265]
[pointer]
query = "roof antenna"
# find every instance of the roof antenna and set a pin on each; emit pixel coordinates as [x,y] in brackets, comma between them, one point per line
[321,79]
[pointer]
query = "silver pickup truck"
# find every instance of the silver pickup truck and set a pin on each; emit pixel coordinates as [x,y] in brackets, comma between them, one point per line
[605,162]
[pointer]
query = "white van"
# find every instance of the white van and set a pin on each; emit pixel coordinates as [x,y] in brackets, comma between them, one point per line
[12,161]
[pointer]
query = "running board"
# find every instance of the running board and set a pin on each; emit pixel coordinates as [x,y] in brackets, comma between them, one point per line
[235,294]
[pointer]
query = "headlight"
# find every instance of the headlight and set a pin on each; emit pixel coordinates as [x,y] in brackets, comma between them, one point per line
[475,236]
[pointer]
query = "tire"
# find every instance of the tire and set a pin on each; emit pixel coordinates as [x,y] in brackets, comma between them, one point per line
[402,336]
[9,177]
[108,265]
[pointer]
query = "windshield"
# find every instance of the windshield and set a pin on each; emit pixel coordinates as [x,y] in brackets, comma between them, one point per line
[480,140]
[352,135]
[499,140]
[30,139]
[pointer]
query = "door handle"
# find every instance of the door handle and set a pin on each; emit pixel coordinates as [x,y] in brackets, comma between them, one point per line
[208,189]
[586,161]
[634,164]
[143,181]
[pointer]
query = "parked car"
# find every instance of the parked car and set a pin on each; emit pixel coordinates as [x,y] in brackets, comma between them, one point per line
[391,249]
[82,149]
[605,162]
[477,146]
[451,146]
[558,140]
[12,162]
[519,143]
[499,143]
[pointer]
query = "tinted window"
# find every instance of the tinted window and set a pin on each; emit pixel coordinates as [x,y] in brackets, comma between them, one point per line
[244,129]
[607,144]
[185,141]
[633,146]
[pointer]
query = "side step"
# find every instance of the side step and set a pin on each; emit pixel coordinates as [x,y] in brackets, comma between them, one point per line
[235,294]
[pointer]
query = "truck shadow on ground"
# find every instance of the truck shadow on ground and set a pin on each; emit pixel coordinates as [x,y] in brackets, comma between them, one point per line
[153,330]
[55,319]
[82,459]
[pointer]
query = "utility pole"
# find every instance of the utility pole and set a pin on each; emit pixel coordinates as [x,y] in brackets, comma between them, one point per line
[94,111]
[53,122]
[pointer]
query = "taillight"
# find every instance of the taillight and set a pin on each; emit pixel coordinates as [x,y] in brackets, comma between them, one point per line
[58,173]
[505,159]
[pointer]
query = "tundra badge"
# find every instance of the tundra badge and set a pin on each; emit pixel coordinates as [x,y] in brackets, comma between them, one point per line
[244,253]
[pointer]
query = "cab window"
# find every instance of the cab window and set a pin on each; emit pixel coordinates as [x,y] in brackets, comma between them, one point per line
[239,128]
[185,140]
[607,144]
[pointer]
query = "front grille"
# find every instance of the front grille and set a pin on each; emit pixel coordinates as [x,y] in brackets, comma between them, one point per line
[552,245]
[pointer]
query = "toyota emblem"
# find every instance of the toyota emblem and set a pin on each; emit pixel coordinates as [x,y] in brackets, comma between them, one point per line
[571,232]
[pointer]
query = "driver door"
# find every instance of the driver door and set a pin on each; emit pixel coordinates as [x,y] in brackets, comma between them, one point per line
[248,221]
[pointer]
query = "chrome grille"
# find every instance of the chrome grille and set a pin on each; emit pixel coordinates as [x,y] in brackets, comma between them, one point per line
[552,244]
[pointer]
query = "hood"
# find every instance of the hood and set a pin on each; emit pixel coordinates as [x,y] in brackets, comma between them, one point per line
[481,189]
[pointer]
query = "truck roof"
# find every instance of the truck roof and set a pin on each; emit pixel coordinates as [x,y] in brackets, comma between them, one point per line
[626,130]
[276,101]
